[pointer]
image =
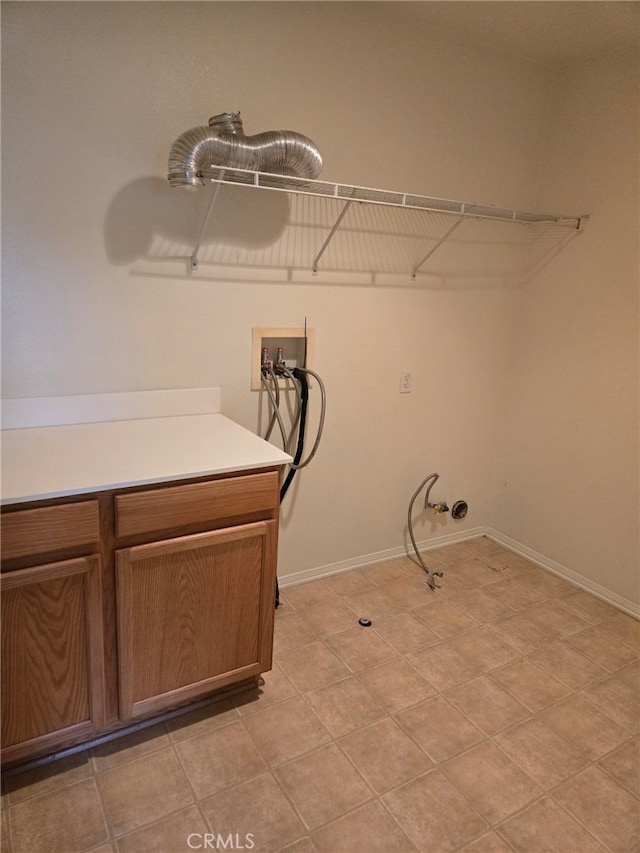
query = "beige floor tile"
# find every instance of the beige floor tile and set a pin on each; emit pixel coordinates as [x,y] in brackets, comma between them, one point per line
[312,666]
[587,606]
[258,811]
[490,842]
[530,684]
[306,594]
[624,628]
[603,807]
[442,666]
[202,719]
[541,752]
[544,827]
[286,731]
[174,833]
[488,706]
[348,583]
[360,648]
[434,814]
[409,593]
[516,595]
[219,758]
[506,565]
[522,566]
[450,555]
[304,845]
[385,755]
[66,820]
[368,828]
[372,604]
[405,633]
[48,777]
[276,688]
[482,546]
[395,685]
[544,582]
[493,783]
[440,729]
[444,618]
[491,569]
[624,765]
[144,791]
[585,726]
[328,618]
[483,648]
[323,785]
[630,675]
[617,700]
[568,665]
[521,633]
[344,706]
[480,605]
[129,747]
[602,649]
[384,573]
[291,632]
[555,620]
[453,582]
[5,833]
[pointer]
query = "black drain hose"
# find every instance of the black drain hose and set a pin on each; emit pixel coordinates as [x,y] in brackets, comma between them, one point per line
[304,402]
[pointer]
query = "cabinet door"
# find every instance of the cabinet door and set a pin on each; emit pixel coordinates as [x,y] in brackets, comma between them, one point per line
[195,613]
[52,657]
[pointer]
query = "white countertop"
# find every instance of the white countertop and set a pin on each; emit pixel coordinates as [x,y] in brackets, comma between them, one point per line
[72,458]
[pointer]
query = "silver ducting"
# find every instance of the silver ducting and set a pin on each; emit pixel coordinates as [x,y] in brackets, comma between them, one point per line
[223,143]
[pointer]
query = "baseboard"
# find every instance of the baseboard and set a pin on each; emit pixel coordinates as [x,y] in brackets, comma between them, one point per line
[596,589]
[360,562]
[319,572]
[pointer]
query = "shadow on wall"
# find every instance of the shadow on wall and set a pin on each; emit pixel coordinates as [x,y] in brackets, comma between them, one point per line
[148,217]
[271,236]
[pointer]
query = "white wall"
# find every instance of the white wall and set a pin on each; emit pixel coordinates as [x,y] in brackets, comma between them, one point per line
[568,450]
[94,95]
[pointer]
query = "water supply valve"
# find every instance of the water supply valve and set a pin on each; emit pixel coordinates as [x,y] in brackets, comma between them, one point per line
[439,507]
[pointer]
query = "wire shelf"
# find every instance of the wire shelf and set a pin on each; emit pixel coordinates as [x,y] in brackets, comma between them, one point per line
[348,194]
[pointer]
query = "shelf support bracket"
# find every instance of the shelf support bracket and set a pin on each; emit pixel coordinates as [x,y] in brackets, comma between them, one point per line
[336,225]
[444,237]
[212,200]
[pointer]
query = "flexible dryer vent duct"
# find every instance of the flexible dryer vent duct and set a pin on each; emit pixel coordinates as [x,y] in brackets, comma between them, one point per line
[223,143]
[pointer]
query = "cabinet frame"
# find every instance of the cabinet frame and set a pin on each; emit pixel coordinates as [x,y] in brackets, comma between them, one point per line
[85,729]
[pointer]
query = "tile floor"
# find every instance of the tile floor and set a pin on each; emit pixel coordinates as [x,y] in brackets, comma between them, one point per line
[500,713]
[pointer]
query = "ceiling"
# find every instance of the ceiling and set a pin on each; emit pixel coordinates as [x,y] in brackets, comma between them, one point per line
[549,32]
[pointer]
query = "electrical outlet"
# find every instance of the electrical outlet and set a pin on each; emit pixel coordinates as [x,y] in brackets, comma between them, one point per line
[406,382]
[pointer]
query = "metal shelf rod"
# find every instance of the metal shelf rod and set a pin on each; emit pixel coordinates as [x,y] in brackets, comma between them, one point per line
[444,237]
[205,222]
[336,225]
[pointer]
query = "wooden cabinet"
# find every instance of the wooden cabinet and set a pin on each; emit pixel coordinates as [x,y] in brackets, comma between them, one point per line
[52,631]
[194,613]
[121,605]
